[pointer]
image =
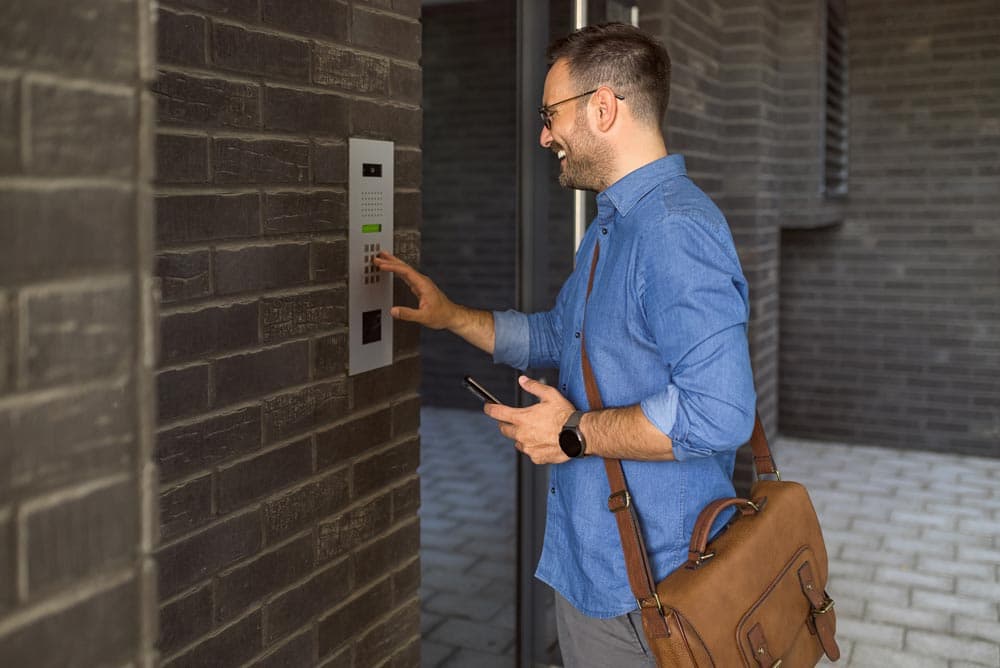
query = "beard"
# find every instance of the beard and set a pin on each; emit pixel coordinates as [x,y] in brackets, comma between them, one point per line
[588,160]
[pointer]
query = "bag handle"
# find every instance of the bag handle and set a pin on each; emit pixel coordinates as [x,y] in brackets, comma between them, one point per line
[637,566]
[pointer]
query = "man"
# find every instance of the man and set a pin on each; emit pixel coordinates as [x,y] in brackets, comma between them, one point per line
[665,333]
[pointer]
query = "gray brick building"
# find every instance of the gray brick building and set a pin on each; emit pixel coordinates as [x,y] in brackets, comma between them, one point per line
[189,476]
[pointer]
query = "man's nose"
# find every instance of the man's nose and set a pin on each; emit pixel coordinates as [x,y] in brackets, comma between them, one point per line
[545,138]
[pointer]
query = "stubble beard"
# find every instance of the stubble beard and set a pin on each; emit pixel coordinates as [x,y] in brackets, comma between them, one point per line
[587,162]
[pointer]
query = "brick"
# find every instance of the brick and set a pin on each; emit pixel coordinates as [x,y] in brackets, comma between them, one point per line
[406,84]
[240,484]
[290,317]
[185,507]
[296,652]
[329,261]
[406,500]
[43,37]
[238,9]
[91,533]
[10,126]
[340,68]
[387,33]
[77,334]
[185,619]
[182,392]
[286,213]
[301,507]
[408,209]
[66,125]
[105,627]
[380,121]
[260,162]
[276,57]
[304,410]
[388,636]
[241,377]
[342,534]
[294,608]
[265,575]
[184,219]
[336,446]
[197,334]
[408,168]
[183,276]
[207,552]
[354,617]
[94,228]
[261,268]
[409,8]
[329,163]
[8,588]
[966,605]
[405,337]
[304,112]
[189,101]
[232,646]
[369,388]
[329,355]
[406,582]
[74,435]
[181,39]
[181,159]
[382,556]
[323,18]
[190,448]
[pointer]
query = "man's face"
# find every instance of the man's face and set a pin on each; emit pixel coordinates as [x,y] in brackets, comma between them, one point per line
[583,156]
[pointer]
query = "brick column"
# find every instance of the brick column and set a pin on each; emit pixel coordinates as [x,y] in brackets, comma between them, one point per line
[77,486]
[289,501]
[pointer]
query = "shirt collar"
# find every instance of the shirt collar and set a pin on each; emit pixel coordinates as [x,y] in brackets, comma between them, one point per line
[624,193]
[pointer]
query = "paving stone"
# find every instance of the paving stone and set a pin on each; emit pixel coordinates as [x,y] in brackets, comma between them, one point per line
[468,659]
[956,568]
[470,605]
[885,635]
[931,620]
[911,577]
[957,604]
[949,647]
[872,656]
[480,636]
[434,654]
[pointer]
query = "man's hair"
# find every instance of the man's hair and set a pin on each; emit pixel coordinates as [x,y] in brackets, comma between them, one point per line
[622,57]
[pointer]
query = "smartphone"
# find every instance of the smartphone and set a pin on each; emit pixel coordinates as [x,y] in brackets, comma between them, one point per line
[479,390]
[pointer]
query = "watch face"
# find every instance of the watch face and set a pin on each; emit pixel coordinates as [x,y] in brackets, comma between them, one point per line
[570,443]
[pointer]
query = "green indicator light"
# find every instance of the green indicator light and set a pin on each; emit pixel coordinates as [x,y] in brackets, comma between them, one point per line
[371,227]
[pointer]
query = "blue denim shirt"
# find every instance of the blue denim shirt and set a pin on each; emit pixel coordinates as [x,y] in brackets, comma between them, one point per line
[665,329]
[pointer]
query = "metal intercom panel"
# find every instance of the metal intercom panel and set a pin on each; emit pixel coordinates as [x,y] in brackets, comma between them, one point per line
[370,230]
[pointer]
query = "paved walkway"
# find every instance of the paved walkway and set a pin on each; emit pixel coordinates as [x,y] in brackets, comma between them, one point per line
[913,538]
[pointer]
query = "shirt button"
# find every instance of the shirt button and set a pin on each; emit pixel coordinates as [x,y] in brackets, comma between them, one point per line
[563,387]
[553,490]
[576,334]
[604,231]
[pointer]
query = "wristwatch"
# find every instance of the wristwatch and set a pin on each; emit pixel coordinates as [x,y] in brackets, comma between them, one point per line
[571,439]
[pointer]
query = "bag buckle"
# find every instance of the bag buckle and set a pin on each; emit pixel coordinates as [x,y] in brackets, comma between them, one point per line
[826,607]
[619,501]
[648,603]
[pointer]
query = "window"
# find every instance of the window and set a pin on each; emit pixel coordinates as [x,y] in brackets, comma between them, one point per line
[836,106]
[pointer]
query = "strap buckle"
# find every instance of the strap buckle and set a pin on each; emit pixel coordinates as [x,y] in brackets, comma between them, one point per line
[826,607]
[619,501]
[649,603]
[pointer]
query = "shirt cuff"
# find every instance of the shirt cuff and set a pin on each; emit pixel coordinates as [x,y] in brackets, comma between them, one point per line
[511,338]
[661,410]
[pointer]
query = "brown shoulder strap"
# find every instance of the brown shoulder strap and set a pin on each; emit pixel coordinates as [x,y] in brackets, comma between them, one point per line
[640,575]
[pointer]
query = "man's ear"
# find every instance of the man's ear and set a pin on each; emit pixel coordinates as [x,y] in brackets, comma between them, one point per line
[607,108]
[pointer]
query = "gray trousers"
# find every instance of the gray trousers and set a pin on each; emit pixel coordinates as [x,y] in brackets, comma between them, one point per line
[586,642]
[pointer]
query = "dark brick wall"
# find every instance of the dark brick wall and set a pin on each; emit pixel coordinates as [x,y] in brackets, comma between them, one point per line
[77,484]
[890,322]
[469,181]
[289,489]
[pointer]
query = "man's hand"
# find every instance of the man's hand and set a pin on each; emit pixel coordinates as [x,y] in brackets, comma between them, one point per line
[434,309]
[535,429]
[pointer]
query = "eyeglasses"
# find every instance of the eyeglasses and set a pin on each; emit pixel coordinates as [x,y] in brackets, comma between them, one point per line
[545,111]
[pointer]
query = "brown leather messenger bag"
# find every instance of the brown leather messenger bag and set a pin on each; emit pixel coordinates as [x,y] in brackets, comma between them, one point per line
[755,596]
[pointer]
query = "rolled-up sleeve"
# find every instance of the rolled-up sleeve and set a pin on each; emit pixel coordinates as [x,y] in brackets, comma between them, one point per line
[511,338]
[697,307]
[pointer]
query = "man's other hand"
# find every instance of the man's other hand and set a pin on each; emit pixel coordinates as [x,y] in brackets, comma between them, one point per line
[535,429]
